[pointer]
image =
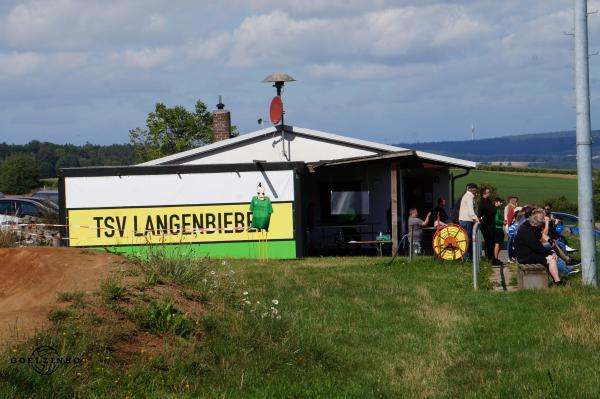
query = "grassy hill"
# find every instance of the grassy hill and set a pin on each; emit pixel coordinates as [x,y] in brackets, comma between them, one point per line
[325,327]
[548,150]
[531,188]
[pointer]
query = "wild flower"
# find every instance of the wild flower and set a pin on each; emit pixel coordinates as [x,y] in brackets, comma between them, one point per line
[247,302]
[224,263]
[212,272]
[275,302]
[245,292]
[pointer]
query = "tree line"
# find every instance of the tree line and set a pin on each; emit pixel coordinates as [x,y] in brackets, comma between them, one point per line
[168,130]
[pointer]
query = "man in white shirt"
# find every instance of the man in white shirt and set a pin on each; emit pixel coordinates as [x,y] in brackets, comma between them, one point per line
[467,216]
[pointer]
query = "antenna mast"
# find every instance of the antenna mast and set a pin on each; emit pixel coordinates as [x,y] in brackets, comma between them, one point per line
[584,146]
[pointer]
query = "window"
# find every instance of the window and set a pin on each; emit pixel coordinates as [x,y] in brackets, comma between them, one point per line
[343,202]
[26,209]
[5,208]
[349,202]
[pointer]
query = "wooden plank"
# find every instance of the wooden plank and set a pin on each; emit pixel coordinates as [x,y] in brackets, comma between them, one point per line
[394,205]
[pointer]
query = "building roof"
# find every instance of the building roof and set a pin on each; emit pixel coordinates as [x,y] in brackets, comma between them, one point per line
[330,137]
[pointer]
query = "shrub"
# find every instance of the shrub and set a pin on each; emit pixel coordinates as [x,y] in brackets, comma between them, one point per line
[8,239]
[179,269]
[112,289]
[162,317]
[58,315]
[19,174]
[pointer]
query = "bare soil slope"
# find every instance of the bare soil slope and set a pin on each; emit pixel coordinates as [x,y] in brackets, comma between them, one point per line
[30,278]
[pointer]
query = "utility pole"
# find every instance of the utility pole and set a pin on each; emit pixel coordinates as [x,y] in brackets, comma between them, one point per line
[584,147]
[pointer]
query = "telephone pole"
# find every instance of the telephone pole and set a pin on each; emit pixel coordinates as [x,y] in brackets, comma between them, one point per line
[584,147]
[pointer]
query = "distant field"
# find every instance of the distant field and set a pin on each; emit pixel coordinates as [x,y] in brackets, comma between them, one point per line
[529,187]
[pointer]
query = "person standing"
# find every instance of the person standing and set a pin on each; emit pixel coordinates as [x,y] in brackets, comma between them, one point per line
[467,216]
[486,213]
[509,211]
[498,231]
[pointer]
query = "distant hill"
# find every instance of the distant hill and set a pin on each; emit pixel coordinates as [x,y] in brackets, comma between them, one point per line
[552,150]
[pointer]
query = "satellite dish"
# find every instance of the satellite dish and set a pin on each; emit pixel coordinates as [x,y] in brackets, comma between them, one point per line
[276,110]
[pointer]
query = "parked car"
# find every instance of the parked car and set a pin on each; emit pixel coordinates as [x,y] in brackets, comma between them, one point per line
[46,202]
[14,209]
[51,195]
[571,222]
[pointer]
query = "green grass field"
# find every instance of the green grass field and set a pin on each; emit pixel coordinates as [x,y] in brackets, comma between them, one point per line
[530,188]
[320,327]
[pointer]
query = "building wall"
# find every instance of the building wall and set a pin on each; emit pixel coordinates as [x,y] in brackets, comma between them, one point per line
[204,213]
[275,149]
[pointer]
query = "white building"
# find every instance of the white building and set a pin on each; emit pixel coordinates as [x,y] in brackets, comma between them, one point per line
[340,189]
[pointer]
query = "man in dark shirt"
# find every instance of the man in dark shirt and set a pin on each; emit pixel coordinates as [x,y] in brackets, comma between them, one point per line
[439,213]
[486,213]
[529,248]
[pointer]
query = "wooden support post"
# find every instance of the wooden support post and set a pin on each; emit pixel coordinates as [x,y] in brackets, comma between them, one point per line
[394,206]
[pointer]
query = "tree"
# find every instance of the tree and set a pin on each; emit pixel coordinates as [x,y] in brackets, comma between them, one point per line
[172,130]
[19,174]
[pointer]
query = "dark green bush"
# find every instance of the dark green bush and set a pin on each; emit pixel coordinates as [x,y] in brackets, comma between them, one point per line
[19,174]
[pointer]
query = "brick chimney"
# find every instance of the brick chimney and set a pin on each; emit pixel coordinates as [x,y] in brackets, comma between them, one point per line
[221,122]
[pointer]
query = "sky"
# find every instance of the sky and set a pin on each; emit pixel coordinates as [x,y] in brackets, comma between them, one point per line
[76,71]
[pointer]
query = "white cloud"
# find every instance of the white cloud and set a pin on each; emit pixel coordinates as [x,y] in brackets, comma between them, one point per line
[76,24]
[411,32]
[208,48]
[145,58]
[18,64]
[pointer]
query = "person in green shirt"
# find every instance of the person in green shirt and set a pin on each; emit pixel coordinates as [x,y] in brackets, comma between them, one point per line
[261,209]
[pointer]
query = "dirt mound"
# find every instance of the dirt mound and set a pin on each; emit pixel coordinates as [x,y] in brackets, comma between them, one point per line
[31,277]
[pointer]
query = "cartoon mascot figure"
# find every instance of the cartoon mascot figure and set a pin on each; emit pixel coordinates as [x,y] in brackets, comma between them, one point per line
[261,209]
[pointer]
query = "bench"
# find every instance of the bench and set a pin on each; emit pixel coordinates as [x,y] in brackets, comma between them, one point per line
[532,277]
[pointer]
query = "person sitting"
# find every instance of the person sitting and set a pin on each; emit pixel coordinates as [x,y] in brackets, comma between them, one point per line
[528,245]
[555,246]
[440,216]
[553,230]
[415,229]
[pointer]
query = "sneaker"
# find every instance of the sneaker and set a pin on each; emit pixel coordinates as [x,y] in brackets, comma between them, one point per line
[497,262]
[574,271]
[560,283]
[574,262]
[569,249]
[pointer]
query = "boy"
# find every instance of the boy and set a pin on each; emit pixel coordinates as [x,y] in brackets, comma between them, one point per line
[415,229]
[498,230]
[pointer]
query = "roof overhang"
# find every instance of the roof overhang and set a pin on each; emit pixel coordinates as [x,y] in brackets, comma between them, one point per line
[406,158]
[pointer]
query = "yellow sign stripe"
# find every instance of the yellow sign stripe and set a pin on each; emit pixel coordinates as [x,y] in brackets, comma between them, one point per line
[167,225]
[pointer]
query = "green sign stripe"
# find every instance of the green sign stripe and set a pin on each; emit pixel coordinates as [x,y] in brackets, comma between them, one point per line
[241,249]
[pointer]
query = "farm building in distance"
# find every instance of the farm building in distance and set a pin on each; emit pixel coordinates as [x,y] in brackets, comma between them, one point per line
[325,190]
